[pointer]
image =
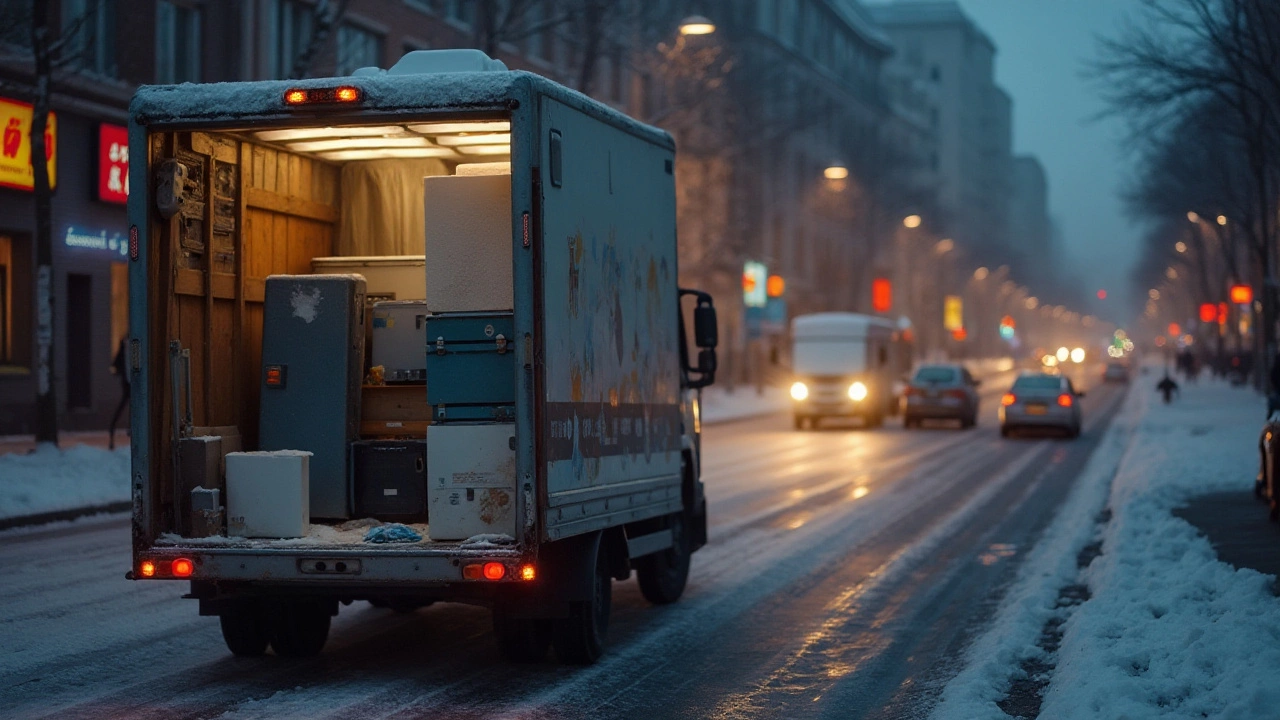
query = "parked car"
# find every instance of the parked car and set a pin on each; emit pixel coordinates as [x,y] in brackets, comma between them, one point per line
[1116,371]
[1041,401]
[941,392]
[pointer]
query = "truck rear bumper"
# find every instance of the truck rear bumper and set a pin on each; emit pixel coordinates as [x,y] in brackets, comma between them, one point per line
[331,567]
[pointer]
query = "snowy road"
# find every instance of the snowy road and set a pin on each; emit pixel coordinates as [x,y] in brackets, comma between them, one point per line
[846,570]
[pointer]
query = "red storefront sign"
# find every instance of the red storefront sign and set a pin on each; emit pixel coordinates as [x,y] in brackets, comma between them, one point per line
[113,163]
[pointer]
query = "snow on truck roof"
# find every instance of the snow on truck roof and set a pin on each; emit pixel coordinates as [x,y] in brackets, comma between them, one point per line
[836,323]
[412,86]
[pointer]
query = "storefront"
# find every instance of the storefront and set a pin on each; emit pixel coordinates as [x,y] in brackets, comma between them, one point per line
[90,287]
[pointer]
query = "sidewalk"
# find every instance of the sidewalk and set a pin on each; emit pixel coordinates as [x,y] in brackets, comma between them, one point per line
[719,406]
[66,440]
[1161,627]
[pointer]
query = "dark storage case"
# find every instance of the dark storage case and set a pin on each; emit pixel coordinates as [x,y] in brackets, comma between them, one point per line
[389,480]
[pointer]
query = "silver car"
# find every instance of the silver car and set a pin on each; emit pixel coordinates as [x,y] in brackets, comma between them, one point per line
[1041,401]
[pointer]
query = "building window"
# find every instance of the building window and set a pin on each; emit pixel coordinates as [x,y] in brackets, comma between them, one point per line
[357,48]
[177,43]
[89,27]
[461,11]
[292,34]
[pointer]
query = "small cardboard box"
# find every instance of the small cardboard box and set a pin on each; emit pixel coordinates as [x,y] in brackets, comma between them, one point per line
[268,494]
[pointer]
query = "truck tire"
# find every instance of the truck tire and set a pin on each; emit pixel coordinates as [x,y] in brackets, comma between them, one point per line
[663,575]
[522,640]
[579,639]
[245,629]
[299,628]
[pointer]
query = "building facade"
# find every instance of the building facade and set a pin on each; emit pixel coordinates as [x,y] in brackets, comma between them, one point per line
[941,48]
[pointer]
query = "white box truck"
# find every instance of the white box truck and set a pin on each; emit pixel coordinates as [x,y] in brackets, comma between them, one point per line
[560,414]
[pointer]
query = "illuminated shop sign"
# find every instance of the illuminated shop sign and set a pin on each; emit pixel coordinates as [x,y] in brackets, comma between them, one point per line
[88,239]
[15,146]
[113,163]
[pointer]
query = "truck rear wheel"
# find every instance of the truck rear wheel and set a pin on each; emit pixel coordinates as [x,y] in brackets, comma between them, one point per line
[579,639]
[522,640]
[300,628]
[245,629]
[663,575]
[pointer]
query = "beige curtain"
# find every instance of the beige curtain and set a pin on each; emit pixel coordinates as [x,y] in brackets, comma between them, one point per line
[382,206]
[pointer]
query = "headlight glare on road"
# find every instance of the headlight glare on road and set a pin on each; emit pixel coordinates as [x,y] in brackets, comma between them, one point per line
[799,391]
[858,392]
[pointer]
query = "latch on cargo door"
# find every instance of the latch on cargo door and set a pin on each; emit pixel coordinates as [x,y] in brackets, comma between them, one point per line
[440,345]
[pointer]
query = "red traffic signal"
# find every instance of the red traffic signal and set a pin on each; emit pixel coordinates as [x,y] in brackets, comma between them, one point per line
[881,295]
[1241,294]
[775,286]
[960,334]
[1208,312]
[1102,294]
[1007,321]
[1174,330]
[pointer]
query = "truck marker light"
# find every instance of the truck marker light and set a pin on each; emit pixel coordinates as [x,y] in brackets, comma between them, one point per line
[494,571]
[1064,400]
[528,572]
[182,567]
[147,569]
[1008,399]
[322,96]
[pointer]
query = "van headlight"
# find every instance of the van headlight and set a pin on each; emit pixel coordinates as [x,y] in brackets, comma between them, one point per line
[857,392]
[799,391]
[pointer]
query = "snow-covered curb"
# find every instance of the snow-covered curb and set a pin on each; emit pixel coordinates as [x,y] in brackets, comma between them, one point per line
[744,402]
[1171,631]
[997,655]
[49,480]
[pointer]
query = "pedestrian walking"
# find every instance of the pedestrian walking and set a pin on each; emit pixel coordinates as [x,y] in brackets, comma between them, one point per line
[119,367]
[1167,387]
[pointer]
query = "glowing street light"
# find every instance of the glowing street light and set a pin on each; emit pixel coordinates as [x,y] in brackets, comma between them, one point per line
[912,221]
[1222,219]
[1180,246]
[944,246]
[1153,294]
[836,172]
[696,25]
[1171,273]
[981,273]
[1193,217]
[1032,303]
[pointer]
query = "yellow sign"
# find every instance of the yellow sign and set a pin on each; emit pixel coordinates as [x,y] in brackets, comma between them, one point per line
[953,312]
[15,146]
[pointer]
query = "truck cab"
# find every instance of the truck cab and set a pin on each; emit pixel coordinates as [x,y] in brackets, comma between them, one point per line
[410,336]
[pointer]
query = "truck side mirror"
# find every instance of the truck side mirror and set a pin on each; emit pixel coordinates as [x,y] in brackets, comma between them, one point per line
[705,331]
[707,361]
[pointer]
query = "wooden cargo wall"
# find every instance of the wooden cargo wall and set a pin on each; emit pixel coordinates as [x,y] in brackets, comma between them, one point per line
[251,211]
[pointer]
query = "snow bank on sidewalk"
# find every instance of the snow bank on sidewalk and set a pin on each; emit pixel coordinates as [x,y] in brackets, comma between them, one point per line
[743,402]
[50,479]
[997,656]
[1172,632]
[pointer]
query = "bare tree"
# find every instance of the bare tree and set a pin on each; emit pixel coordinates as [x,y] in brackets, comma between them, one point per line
[326,15]
[1220,52]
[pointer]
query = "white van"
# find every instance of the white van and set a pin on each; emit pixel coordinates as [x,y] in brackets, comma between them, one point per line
[843,367]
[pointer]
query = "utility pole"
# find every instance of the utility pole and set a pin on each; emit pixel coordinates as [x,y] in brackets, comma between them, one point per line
[46,395]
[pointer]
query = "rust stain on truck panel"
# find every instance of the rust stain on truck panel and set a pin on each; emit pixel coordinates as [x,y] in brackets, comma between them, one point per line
[495,506]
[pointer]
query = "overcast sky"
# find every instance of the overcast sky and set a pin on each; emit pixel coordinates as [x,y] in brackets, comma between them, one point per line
[1042,47]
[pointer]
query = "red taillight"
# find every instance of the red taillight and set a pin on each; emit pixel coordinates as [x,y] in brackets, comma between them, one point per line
[494,571]
[1008,399]
[489,571]
[147,569]
[182,567]
[1064,400]
[912,391]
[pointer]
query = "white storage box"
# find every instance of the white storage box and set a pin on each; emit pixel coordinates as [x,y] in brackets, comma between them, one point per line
[268,494]
[471,481]
[400,340]
[393,277]
[469,239]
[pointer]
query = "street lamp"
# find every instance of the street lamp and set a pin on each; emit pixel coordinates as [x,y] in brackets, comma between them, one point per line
[912,221]
[1180,246]
[944,246]
[1193,216]
[1222,219]
[836,172]
[981,273]
[696,25]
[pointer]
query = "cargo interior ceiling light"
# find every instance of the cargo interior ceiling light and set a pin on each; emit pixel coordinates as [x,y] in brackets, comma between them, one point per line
[452,141]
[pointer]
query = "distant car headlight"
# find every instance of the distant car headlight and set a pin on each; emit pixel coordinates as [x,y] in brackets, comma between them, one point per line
[858,392]
[799,391]
[1077,355]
